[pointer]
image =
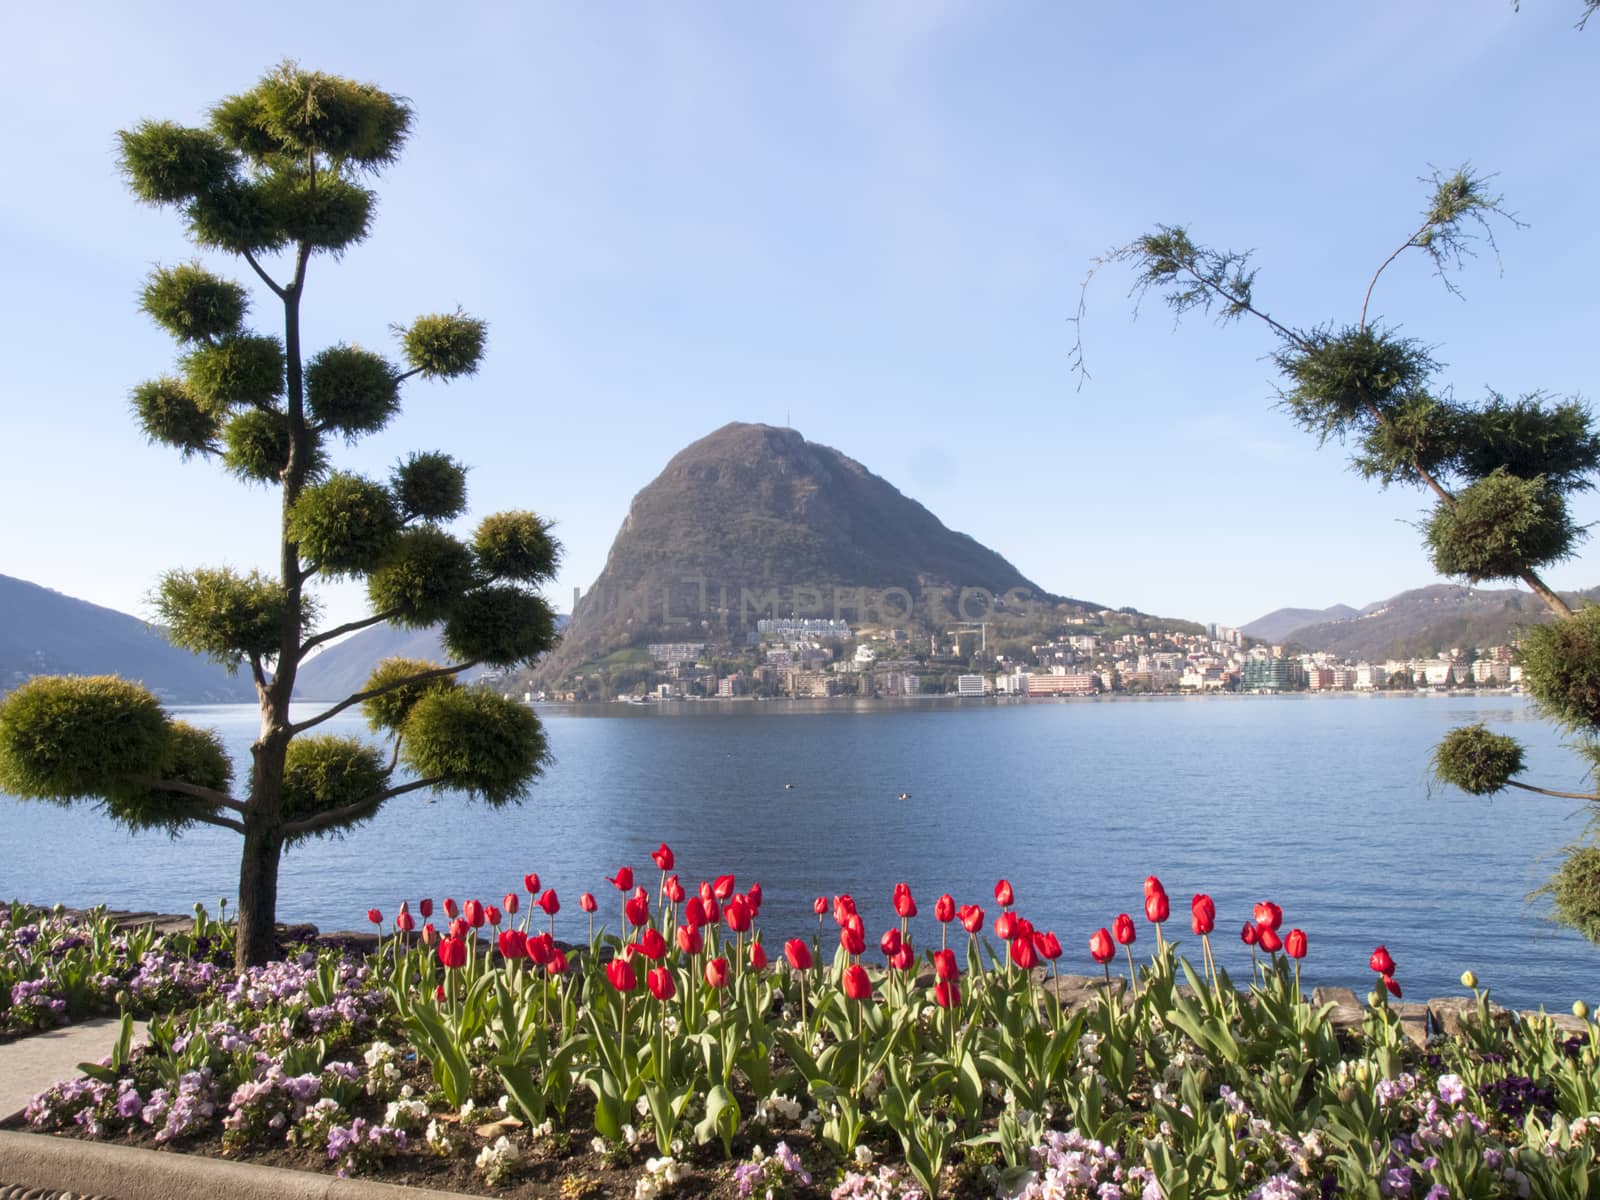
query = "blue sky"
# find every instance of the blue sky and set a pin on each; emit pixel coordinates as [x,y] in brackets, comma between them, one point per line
[868,219]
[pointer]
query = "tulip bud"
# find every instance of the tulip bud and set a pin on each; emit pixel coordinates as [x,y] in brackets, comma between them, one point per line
[1580,1010]
[1468,979]
[1346,1094]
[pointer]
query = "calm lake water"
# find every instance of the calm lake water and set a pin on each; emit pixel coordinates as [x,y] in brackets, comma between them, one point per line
[1320,803]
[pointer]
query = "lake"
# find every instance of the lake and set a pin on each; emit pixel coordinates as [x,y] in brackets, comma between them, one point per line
[1320,803]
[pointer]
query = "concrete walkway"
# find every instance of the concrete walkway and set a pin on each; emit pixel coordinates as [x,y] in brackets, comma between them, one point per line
[31,1064]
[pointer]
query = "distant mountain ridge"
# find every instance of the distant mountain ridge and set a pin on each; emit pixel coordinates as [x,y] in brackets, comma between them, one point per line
[754,520]
[1419,623]
[1277,625]
[47,633]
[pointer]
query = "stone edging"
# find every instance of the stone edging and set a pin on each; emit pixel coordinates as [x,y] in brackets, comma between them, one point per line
[35,1161]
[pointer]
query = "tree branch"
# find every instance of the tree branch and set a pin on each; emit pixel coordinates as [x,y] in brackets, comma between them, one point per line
[258,673]
[328,635]
[222,822]
[420,677]
[210,795]
[265,278]
[1542,791]
[405,375]
[1399,250]
[361,808]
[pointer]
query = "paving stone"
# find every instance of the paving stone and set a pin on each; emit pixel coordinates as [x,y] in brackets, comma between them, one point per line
[31,1064]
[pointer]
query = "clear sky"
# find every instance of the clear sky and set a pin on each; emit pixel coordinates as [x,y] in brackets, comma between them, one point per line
[869,220]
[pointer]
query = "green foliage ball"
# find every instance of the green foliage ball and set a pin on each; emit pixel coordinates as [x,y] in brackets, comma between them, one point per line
[501,626]
[168,413]
[194,755]
[255,445]
[1575,890]
[192,304]
[430,486]
[1500,527]
[1335,380]
[388,712]
[65,738]
[235,216]
[332,215]
[516,545]
[351,390]
[445,345]
[242,369]
[223,614]
[477,742]
[1530,437]
[423,579]
[292,113]
[1561,668]
[1477,761]
[166,163]
[325,772]
[346,525]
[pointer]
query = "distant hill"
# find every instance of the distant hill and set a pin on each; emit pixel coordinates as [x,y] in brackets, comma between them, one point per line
[342,669]
[1425,621]
[1277,625]
[753,521]
[46,633]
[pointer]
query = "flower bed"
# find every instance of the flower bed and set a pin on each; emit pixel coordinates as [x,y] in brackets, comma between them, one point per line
[58,967]
[692,1057]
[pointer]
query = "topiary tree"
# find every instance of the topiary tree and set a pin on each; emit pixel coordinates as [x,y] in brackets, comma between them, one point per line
[1500,472]
[277,176]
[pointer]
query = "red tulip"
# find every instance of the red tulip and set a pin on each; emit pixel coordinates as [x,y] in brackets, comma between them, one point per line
[374,916]
[558,963]
[1381,961]
[904,906]
[1048,945]
[619,973]
[1203,918]
[717,972]
[663,857]
[798,953]
[513,943]
[947,993]
[889,943]
[1101,948]
[425,907]
[540,949]
[404,922]
[430,935]
[1247,935]
[819,905]
[694,913]
[705,890]
[1003,895]
[460,929]
[1269,914]
[843,906]
[944,965]
[1023,953]
[450,908]
[1005,926]
[438,994]
[1295,944]
[737,914]
[1157,908]
[755,895]
[853,939]
[675,892]
[944,909]
[511,902]
[1388,982]
[1152,885]
[452,953]
[587,902]
[758,957]
[1268,940]
[971,918]
[1126,934]
[551,903]
[473,912]
[903,958]
[637,909]
[722,887]
[530,881]
[660,982]
[711,910]
[652,945]
[622,880]
[857,985]
[492,915]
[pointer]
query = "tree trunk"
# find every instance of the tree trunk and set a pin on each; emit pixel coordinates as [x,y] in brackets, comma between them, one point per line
[258,895]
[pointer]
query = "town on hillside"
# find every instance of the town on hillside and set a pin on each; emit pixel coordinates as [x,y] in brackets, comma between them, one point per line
[1093,653]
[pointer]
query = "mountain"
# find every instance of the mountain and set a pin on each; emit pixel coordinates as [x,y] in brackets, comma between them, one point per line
[342,669]
[1277,625]
[46,633]
[1422,622]
[754,521]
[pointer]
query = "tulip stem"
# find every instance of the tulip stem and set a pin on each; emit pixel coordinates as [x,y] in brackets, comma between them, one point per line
[1133,978]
